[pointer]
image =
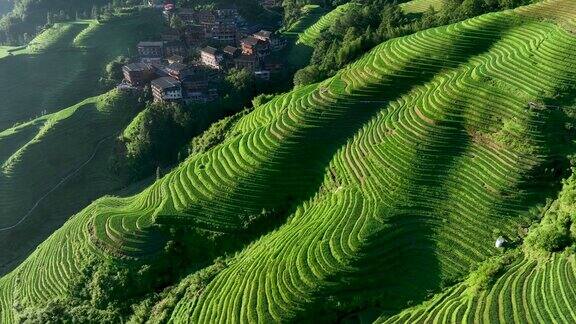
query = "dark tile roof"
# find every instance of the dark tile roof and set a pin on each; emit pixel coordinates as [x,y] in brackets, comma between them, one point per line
[178,67]
[250,41]
[165,82]
[263,33]
[137,67]
[247,58]
[230,50]
[210,50]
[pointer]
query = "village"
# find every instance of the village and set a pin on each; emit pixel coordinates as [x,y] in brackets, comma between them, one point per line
[197,48]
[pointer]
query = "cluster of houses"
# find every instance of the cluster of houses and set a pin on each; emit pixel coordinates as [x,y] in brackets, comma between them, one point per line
[251,53]
[217,40]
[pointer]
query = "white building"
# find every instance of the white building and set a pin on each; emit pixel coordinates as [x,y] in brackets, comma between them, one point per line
[500,242]
[166,89]
[211,57]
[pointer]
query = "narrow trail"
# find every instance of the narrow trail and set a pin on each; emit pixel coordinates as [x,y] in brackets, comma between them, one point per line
[58,185]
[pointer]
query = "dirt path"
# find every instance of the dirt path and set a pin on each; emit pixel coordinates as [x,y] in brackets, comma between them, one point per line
[58,185]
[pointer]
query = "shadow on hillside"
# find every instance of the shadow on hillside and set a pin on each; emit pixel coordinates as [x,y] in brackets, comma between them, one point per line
[294,172]
[400,266]
[557,128]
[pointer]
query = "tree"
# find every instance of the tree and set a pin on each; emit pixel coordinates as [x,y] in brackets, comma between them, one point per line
[176,22]
[307,75]
[239,82]
[95,12]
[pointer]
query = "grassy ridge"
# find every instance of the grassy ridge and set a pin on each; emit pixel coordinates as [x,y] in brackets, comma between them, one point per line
[33,153]
[412,157]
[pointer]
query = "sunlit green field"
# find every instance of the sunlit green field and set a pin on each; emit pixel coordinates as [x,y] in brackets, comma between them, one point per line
[381,186]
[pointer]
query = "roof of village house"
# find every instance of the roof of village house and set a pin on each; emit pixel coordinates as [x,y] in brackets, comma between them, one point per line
[137,66]
[210,50]
[230,50]
[178,67]
[174,44]
[250,41]
[247,58]
[150,44]
[165,83]
[186,11]
[263,33]
[176,57]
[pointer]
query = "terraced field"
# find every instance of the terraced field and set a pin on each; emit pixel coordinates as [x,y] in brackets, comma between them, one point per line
[527,289]
[41,182]
[306,31]
[406,160]
[311,34]
[529,292]
[420,6]
[62,66]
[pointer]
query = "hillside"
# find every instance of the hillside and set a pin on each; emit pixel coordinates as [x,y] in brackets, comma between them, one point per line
[306,31]
[328,201]
[420,6]
[54,138]
[299,53]
[527,284]
[311,34]
[20,19]
[62,66]
[58,154]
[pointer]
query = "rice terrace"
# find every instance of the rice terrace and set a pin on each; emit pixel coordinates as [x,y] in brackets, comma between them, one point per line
[217,161]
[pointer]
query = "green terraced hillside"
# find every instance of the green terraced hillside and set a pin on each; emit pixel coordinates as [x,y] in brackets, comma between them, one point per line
[523,289]
[62,66]
[528,291]
[299,54]
[306,31]
[53,166]
[328,201]
[420,6]
[311,34]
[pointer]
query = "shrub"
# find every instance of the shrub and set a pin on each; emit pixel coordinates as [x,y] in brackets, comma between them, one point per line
[548,238]
[488,271]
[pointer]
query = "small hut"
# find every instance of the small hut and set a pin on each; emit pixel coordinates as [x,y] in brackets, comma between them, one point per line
[500,242]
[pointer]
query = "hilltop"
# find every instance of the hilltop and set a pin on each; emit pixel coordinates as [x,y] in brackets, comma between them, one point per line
[329,200]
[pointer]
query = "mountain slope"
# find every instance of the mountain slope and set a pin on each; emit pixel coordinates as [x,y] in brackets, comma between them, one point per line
[48,152]
[311,34]
[406,160]
[520,286]
[59,154]
[62,66]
